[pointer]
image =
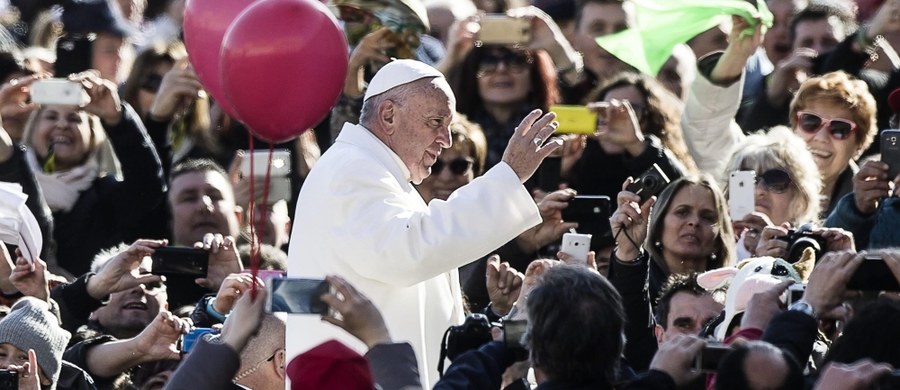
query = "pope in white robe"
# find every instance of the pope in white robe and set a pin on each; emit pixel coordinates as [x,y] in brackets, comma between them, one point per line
[359,216]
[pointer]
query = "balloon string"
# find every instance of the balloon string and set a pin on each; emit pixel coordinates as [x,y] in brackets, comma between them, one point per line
[254,243]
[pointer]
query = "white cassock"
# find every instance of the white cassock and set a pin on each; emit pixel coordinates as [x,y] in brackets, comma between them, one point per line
[359,217]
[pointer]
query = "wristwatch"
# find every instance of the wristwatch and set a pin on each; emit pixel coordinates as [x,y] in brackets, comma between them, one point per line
[803,307]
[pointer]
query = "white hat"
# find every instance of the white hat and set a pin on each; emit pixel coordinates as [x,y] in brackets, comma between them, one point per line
[397,73]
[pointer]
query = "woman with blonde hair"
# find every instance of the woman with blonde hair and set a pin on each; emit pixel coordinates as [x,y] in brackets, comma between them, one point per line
[788,184]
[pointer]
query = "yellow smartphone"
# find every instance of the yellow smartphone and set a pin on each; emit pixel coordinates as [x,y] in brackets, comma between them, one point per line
[575,119]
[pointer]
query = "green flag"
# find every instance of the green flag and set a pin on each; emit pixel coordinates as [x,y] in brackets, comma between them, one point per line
[663,24]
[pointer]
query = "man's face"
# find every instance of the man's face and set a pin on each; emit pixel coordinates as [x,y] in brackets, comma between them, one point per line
[202,202]
[129,312]
[421,127]
[821,35]
[688,314]
[598,20]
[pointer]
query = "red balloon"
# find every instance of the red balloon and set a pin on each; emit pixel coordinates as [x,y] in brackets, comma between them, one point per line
[283,66]
[205,23]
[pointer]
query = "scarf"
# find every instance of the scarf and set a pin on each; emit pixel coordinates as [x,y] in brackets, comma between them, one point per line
[62,189]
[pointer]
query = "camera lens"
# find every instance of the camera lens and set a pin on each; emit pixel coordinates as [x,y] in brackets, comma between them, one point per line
[650,182]
[795,253]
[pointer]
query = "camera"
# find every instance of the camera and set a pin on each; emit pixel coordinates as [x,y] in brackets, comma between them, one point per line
[800,239]
[710,356]
[473,333]
[513,332]
[650,183]
[9,380]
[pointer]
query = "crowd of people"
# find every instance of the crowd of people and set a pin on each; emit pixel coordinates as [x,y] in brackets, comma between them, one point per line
[432,200]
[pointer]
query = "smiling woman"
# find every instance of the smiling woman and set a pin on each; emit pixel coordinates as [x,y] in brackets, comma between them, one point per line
[74,154]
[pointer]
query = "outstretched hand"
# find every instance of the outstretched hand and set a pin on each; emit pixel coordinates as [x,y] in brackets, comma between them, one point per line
[527,148]
[358,315]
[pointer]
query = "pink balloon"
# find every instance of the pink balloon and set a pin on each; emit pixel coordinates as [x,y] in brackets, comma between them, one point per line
[283,66]
[205,23]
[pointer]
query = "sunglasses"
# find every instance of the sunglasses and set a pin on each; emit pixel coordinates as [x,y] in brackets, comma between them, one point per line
[775,180]
[458,166]
[515,63]
[811,123]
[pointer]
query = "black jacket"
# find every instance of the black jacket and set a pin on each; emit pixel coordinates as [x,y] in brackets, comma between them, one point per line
[639,284]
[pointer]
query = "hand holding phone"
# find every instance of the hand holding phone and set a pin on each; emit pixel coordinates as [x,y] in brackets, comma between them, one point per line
[710,356]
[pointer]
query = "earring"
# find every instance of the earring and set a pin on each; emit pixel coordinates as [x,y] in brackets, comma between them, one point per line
[712,257]
[658,244]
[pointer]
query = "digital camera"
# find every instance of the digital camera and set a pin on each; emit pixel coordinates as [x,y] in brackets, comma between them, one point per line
[473,333]
[800,239]
[650,183]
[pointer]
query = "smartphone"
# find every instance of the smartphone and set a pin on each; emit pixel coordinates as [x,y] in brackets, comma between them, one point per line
[741,194]
[650,183]
[281,163]
[575,119]
[58,91]
[512,337]
[576,245]
[191,338]
[297,296]
[501,29]
[9,380]
[890,151]
[182,261]
[591,212]
[709,358]
[873,274]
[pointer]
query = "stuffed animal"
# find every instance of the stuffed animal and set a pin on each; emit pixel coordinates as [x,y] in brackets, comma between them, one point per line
[749,277]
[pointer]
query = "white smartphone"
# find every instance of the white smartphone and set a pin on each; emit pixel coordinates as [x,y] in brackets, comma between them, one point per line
[281,163]
[576,245]
[741,194]
[58,91]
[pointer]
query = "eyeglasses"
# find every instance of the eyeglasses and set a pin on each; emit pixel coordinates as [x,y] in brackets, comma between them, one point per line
[458,166]
[775,180]
[151,83]
[811,123]
[515,63]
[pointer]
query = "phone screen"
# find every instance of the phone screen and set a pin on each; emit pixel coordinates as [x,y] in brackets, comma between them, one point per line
[298,296]
[180,261]
[591,212]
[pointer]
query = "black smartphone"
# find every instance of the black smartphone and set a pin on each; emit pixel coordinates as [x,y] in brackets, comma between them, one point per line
[73,54]
[650,183]
[709,358]
[873,274]
[890,151]
[512,337]
[591,212]
[174,260]
[9,380]
[297,296]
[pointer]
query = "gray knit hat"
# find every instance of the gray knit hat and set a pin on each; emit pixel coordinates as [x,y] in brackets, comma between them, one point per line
[30,325]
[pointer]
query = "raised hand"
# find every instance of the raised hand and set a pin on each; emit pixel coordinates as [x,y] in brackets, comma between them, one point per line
[179,88]
[105,102]
[629,223]
[224,260]
[527,149]
[618,124]
[358,315]
[552,226]
[871,184]
[122,272]
[504,284]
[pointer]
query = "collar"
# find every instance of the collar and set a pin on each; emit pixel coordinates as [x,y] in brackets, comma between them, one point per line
[359,136]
